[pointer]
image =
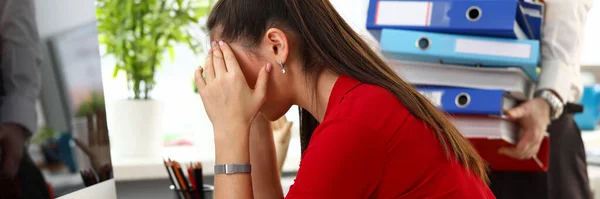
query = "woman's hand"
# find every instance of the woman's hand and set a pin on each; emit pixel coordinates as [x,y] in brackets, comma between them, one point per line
[534,118]
[227,98]
[229,102]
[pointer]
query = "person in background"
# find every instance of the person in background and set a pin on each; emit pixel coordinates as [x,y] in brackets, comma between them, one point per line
[19,89]
[377,136]
[559,83]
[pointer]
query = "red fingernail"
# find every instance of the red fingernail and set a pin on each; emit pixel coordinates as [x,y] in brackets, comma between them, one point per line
[210,50]
[221,43]
[213,44]
[269,67]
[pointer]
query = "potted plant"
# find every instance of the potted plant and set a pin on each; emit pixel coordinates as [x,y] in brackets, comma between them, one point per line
[138,34]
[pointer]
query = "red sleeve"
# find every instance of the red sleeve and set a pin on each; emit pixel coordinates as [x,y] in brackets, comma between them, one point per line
[343,160]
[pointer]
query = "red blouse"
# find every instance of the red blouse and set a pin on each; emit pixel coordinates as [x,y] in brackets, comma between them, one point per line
[370,146]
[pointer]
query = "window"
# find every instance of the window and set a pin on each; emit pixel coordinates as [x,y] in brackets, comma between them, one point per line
[184,113]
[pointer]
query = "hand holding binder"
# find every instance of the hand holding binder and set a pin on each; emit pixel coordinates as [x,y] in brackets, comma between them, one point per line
[534,117]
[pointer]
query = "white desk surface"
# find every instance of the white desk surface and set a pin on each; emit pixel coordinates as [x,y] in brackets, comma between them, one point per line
[103,190]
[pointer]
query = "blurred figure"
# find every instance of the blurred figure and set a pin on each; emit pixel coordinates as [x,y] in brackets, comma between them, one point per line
[562,39]
[19,89]
[98,147]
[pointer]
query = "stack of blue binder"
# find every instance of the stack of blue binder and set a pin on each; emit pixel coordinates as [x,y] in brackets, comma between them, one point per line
[473,59]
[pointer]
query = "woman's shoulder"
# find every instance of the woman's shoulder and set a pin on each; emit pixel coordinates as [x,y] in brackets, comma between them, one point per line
[370,105]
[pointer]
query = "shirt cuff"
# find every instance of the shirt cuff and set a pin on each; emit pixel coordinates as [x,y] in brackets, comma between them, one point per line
[556,76]
[19,110]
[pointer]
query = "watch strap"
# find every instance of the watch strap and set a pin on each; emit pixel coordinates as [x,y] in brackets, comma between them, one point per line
[232,168]
[556,105]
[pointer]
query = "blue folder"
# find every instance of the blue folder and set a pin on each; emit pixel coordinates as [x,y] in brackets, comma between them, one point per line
[469,101]
[532,18]
[497,18]
[461,50]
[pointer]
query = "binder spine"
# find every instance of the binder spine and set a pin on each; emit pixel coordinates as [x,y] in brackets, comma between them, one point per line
[461,50]
[488,18]
[465,101]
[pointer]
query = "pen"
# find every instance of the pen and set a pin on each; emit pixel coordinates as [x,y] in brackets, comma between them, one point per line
[198,180]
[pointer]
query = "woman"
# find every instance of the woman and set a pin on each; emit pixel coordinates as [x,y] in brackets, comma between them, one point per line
[377,137]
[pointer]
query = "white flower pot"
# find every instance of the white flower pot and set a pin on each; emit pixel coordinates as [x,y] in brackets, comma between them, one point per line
[135,128]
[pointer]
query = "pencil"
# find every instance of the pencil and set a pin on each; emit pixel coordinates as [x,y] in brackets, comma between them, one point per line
[181,178]
[170,171]
[198,180]
[190,171]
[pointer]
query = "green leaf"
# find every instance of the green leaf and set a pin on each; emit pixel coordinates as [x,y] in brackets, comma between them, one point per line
[138,32]
[172,53]
[116,71]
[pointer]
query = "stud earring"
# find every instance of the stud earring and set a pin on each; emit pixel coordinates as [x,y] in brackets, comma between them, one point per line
[282,67]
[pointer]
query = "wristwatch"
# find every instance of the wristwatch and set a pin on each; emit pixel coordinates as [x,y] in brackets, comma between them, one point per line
[232,168]
[556,105]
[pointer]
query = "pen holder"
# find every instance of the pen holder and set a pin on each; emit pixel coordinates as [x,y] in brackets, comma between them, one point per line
[207,193]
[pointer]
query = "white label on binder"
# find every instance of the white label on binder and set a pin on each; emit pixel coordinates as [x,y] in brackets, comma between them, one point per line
[493,48]
[403,13]
[435,97]
[532,12]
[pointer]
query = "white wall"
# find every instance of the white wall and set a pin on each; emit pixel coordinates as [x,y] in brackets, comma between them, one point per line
[56,16]
[591,47]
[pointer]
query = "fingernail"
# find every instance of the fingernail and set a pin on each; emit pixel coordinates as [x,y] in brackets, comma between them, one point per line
[221,43]
[213,44]
[269,67]
[210,50]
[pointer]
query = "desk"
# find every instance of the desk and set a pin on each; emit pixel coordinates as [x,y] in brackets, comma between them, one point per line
[136,169]
[103,190]
[153,168]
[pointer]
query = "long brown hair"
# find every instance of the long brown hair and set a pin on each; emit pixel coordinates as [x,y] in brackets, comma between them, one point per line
[327,42]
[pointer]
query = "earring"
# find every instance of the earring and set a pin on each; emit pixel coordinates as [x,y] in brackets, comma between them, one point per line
[282,67]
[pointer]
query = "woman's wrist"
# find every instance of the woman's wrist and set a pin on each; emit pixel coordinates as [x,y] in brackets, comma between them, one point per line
[232,144]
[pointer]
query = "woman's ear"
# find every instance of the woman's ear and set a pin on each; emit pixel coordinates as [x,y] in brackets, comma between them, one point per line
[278,42]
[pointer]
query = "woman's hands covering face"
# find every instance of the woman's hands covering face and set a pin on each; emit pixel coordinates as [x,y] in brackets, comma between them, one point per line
[227,98]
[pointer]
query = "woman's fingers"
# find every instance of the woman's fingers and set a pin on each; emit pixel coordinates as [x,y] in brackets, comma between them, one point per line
[231,62]
[200,83]
[209,70]
[260,89]
[218,60]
